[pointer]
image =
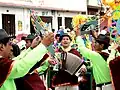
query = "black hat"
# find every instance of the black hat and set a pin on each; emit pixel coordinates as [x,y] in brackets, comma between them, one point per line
[30,37]
[103,39]
[65,35]
[57,35]
[16,50]
[3,34]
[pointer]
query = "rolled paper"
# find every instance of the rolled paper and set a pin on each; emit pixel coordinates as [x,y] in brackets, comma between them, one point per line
[41,28]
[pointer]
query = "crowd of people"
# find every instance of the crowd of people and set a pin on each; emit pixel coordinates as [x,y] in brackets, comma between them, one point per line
[24,63]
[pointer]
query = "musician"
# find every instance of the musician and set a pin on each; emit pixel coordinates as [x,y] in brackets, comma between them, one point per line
[11,69]
[101,71]
[63,80]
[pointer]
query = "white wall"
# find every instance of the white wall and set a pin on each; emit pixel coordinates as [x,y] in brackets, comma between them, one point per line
[72,5]
[66,14]
[24,16]
[20,14]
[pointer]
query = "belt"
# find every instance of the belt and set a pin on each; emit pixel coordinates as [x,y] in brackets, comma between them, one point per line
[100,85]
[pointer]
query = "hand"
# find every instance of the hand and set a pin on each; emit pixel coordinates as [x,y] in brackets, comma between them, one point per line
[52,61]
[36,41]
[83,69]
[48,39]
[114,46]
[93,33]
[82,79]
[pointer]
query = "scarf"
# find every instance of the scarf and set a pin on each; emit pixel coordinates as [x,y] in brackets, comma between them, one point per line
[5,69]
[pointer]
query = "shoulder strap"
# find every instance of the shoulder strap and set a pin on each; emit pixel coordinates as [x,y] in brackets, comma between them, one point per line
[63,58]
[75,52]
[5,69]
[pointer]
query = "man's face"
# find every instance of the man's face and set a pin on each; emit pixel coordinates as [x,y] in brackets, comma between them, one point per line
[57,39]
[7,50]
[65,41]
[98,46]
[28,43]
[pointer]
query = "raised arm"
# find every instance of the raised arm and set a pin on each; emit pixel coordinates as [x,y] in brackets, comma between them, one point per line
[89,54]
[21,67]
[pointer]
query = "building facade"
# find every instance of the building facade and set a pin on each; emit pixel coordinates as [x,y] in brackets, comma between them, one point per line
[15,14]
[95,7]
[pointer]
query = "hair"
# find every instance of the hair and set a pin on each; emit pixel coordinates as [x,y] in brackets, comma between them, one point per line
[23,38]
[16,50]
[57,35]
[71,29]
[103,39]
[4,41]
[105,45]
[29,40]
[53,30]
[61,37]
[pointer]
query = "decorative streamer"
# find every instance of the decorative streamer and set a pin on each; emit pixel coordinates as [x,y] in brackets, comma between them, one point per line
[114,20]
[40,28]
[39,25]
